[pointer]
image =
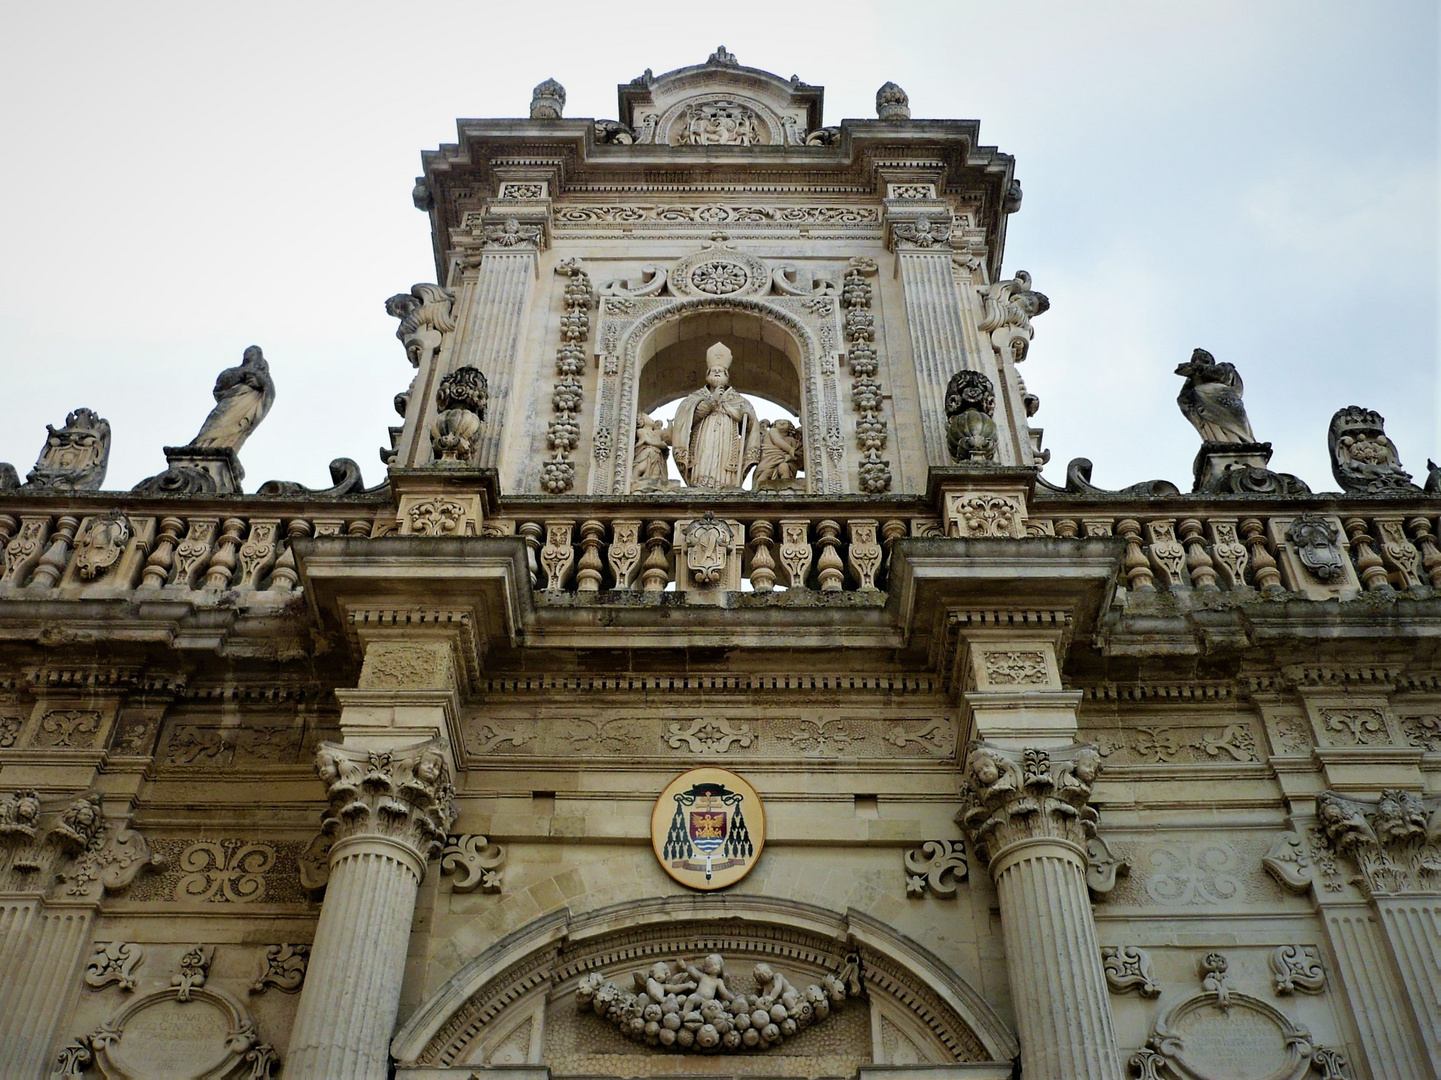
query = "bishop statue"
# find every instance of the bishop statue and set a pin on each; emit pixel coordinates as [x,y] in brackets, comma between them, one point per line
[715,436]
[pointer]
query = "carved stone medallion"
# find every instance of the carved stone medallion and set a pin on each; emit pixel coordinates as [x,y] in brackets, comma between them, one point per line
[708,828]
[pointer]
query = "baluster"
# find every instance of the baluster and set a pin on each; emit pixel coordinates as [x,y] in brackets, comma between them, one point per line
[532,532]
[285,576]
[558,555]
[891,531]
[657,557]
[52,563]
[257,554]
[157,567]
[624,554]
[592,536]
[1067,528]
[1399,554]
[1425,539]
[24,548]
[796,551]
[829,567]
[1203,570]
[1368,563]
[8,525]
[1264,573]
[1168,557]
[763,564]
[1138,570]
[359,527]
[222,563]
[1230,553]
[192,552]
[864,554]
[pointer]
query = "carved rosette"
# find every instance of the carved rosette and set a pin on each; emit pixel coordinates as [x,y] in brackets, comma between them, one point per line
[403,795]
[1010,796]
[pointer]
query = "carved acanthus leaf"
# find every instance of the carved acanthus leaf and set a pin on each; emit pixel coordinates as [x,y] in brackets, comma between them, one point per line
[1014,795]
[404,794]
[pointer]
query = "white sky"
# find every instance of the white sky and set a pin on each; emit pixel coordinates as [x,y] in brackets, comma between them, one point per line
[183,180]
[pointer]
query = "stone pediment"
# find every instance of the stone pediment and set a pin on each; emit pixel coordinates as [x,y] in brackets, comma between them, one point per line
[720,103]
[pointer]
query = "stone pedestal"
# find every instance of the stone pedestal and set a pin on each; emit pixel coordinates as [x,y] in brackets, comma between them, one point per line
[389,812]
[1026,811]
[197,470]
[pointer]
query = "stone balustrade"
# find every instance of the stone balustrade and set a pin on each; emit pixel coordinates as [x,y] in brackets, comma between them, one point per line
[1337,549]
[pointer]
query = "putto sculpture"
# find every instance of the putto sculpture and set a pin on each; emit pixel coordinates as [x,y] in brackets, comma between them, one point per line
[1363,459]
[75,456]
[970,432]
[425,318]
[715,435]
[782,457]
[652,447]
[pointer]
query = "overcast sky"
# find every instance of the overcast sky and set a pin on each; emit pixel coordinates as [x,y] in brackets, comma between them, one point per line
[183,180]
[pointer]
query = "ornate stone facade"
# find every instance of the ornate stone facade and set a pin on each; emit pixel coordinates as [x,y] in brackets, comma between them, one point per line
[1036,776]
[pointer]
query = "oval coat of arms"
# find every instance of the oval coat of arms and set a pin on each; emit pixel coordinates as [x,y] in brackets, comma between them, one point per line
[708,828]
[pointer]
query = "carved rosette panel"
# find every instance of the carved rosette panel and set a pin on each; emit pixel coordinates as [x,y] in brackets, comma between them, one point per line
[403,794]
[627,321]
[1015,795]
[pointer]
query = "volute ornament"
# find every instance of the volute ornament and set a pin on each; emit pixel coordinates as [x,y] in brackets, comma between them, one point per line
[425,315]
[75,456]
[1363,459]
[971,434]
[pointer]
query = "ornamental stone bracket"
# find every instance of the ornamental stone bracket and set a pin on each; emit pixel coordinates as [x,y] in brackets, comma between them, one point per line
[982,500]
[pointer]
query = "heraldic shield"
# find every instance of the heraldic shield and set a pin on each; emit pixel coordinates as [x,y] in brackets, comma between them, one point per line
[708,828]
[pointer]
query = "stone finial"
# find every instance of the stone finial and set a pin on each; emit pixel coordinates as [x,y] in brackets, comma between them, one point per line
[547,101]
[1363,460]
[75,456]
[892,103]
[970,432]
[722,57]
[461,400]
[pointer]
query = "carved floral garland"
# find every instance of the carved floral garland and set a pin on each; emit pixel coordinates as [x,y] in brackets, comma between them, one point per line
[866,395]
[692,1009]
[557,475]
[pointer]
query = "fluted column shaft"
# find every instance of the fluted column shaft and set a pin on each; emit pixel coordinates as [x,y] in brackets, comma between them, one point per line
[43,948]
[389,811]
[1027,812]
[1063,1011]
[938,340]
[1413,928]
[352,987]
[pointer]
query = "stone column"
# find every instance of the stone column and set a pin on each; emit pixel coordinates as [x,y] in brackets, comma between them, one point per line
[389,812]
[1026,811]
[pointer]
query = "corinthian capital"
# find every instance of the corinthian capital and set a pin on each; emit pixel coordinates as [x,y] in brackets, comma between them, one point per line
[403,795]
[922,232]
[1015,795]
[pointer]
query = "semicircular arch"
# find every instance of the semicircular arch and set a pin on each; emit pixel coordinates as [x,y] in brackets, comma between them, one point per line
[546,958]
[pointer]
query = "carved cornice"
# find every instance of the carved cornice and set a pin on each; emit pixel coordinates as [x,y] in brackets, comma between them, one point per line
[1011,796]
[1394,842]
[404,795]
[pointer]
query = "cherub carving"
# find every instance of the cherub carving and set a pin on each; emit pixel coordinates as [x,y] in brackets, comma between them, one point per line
[774,987]
[425,318]
[660,983]
[781,453]
[710,981]
[652,447]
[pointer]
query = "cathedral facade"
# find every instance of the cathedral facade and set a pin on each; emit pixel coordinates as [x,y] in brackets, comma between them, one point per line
[714,686]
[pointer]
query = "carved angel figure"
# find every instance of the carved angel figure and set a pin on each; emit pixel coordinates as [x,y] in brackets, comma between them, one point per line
[1211,399]
[710,981]
[715,434]
[652,447]
[243,395]
[772,987]
[780,452]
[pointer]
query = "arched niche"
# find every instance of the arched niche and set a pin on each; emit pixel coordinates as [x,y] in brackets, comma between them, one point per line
[775,357]
[517,998]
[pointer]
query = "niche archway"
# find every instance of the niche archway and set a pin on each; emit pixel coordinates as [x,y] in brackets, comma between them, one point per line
[775,357]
